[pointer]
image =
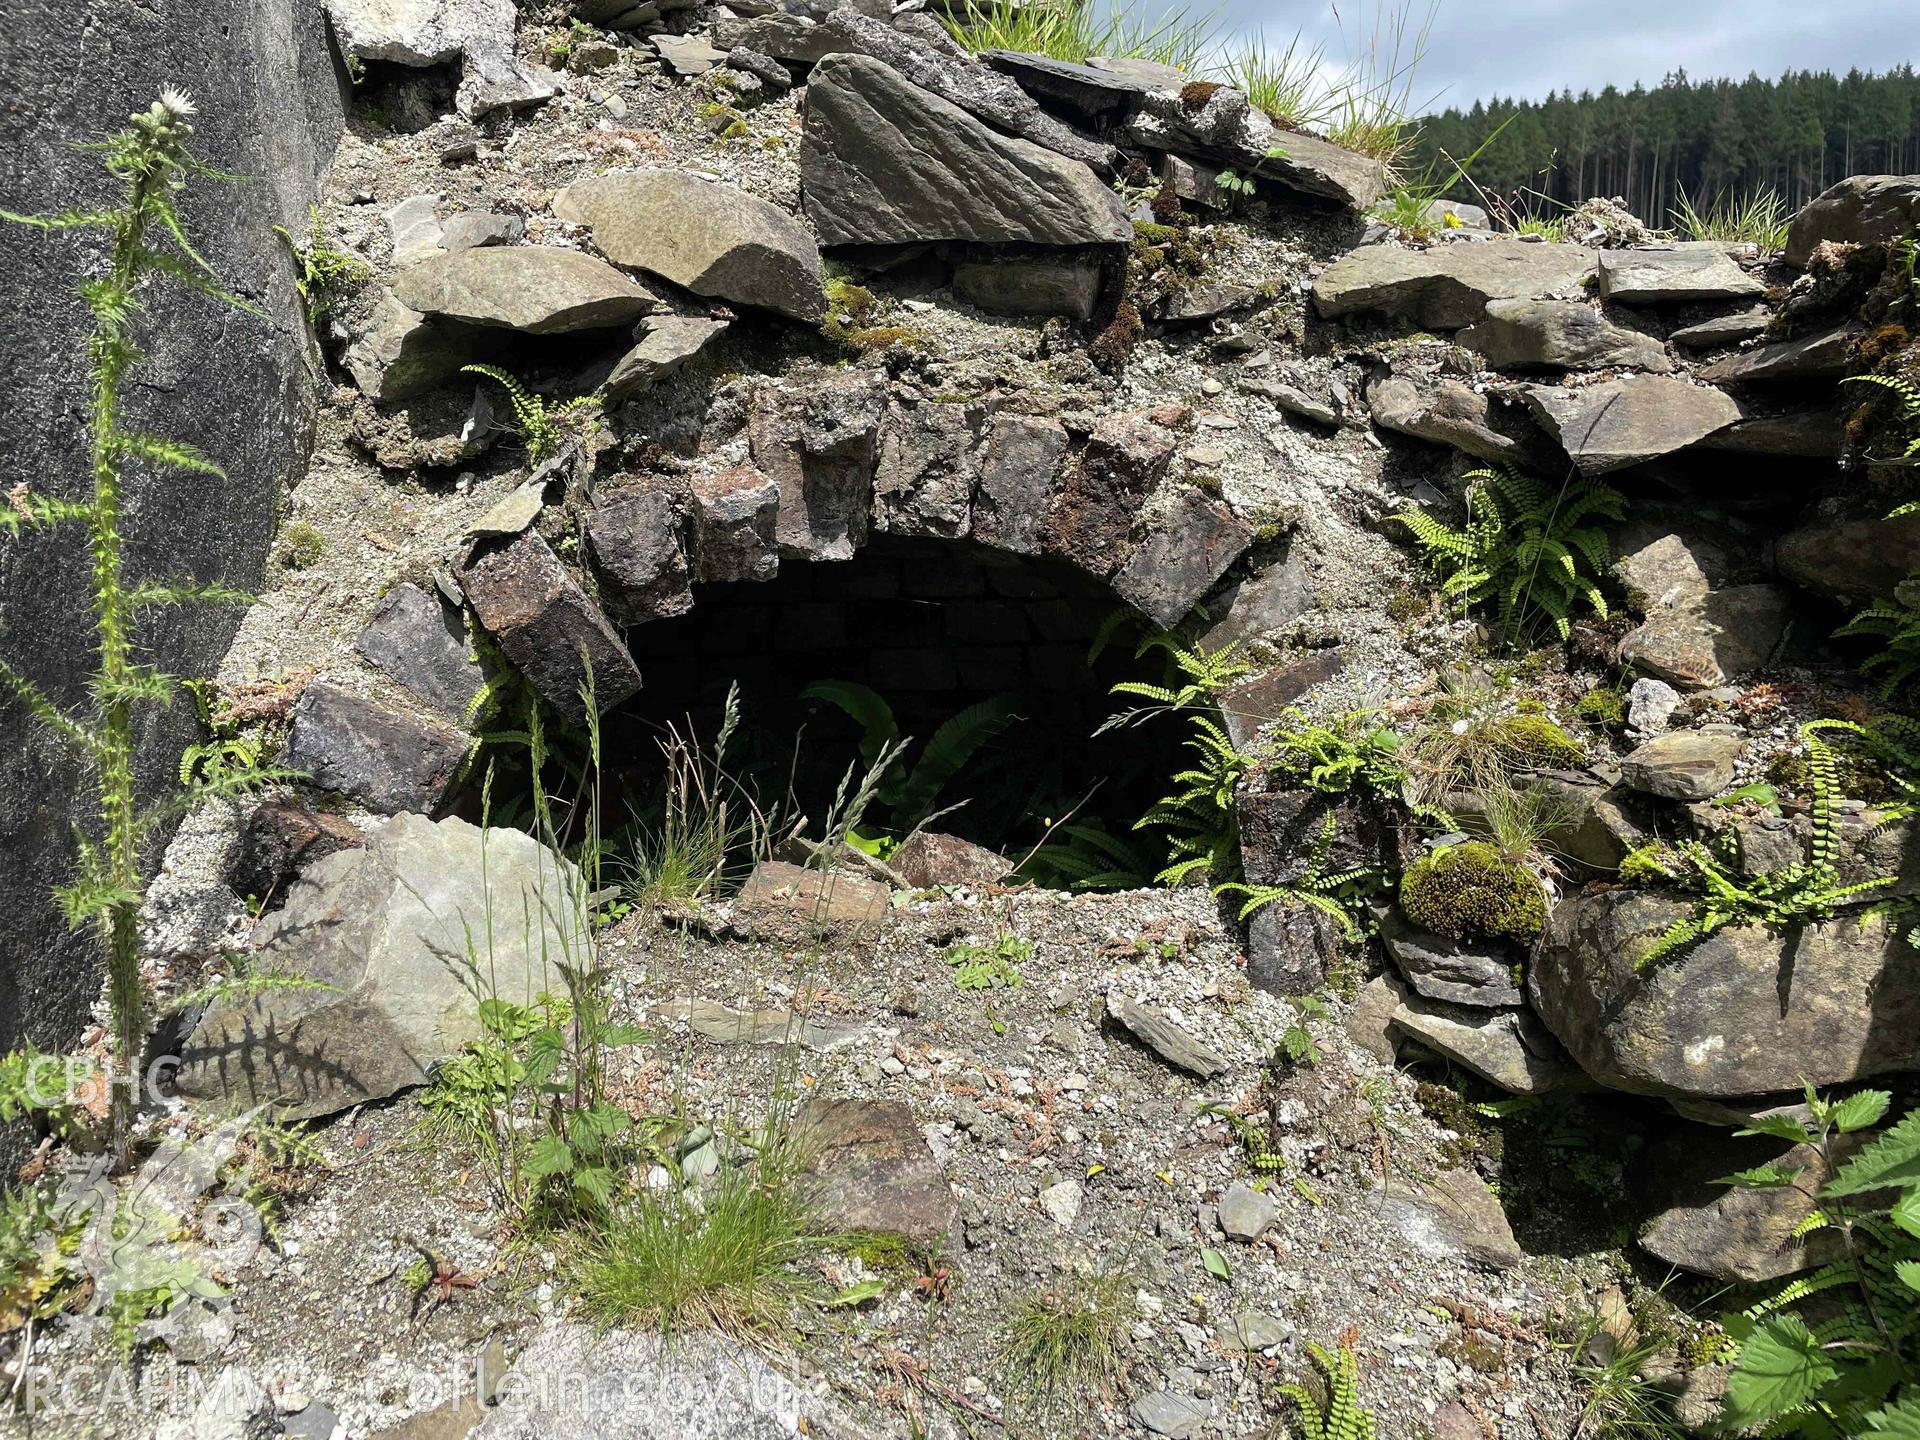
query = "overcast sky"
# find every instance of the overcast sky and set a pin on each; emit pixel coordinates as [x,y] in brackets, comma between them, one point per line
[1480,48]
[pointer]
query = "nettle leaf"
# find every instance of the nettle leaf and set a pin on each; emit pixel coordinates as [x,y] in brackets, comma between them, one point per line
[1781,1366]
[1909,1273]
[550,1156]
[544,1053]
[1896,1422]
[619,1037]
[1763,1177]
[1892,1161]
[595,1182]
[1781,1127]
[1861,1110]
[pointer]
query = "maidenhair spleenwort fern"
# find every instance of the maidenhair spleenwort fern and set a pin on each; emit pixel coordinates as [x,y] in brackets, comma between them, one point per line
[1907,393]
[1337,894]
[1896,622]
[1803,893]
[1529,549]
[1339,1415]
[538,422]
[151,161]
[1847,1366]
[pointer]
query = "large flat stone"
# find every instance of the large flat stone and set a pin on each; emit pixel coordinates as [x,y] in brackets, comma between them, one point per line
[704,236]
[1824,355]
[1675,275]
[536,289]
[1860,210]
[1619,423]
[382,757]
[1852,560]
[1736,1235]
[884,162]
[1447,287]
[1226,130]
[1445,411]
[1683,764]
[1560,335]
[1508,1047]
[1747,1011]
[1449,1215]
[547,625]
[393,930]
[477,33]
[1092,95]
[1699,644]
[868,1168]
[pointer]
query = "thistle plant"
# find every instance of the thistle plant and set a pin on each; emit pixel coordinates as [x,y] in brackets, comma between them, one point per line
[150,159]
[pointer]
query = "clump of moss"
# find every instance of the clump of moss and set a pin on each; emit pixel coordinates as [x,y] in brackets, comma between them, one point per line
[1165,205]
[1649,865]
[1112,347]
[301,546]
[1882,343]
[851,312]
[1532,742]
[1196,93]
[1408,603]
[1859,776]
[1470,891]
[1603,706]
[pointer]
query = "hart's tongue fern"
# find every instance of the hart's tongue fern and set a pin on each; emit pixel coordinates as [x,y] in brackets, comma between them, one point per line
[151,160]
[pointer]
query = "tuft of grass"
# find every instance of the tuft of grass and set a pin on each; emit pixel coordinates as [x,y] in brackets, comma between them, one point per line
[1376,101]
[1620,1403]
[1073,1334]
[1759,219]
[728,1261]
[1285,81]
[1071,30]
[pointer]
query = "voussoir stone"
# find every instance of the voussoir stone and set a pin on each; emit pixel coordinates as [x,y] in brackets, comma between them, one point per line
[391,929]
[711,238]
[733,524]
[884,162]
[385,758]
[535,289]
[421,641]
[1446,287]
[636,546]
[819,441]
[1674,275]
[1187,547]
[548,626]
[1619,423]
[1560,335]
[1860,210]
[1747,1011]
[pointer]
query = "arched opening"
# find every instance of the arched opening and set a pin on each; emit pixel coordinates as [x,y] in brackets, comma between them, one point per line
[999,668]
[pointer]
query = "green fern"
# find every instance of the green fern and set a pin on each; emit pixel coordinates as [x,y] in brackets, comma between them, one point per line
[1198,818]
[910,792]
[1335,1413]
[1528,550]
[1087,856]
[325,274]
[1896,621]
[1845,1366]
[1907,394]
[540,425]
[1802,893]
[1339,894]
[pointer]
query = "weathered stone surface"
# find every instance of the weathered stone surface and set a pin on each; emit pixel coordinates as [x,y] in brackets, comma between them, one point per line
[1147,74]
[1265,696]
[1018,463]
[666,343]
[1153,1029]
[1290,948]
[1852,560]
[796,38]
[384,758]
[478,33]
[548,626]
[1734,1235]
[1177,1417]
[1824,355]
[819,442]
[1619,423]
[1283,829]
[1450,412]
[1091,514]
[536,289]
[1560,335]
[715,1021]
[1091,95]
[1744,1012]
[397,353]
[1449,1215]
[885,162]
[280,840]
[1804,434]
[1860,210]
[387,926]
[1228,130]
[733,519]
[635,539]
[771,73]
[1700,644]
[1448,286]
[929,858]
[691,1386]
[868,1168]
[1260,610]
[1674,275]
[820,897]
[1245,1213]
[1187,548]
[686,55]
[238,386]
[1671,569]
[923,484]
[1650,705]
[1683,764]
[471,229]
[1206,301]
[420,641]
[1370,1022]
[1723,329]
[1509,1047]
[1066,285]
[704,236]
[1475,973]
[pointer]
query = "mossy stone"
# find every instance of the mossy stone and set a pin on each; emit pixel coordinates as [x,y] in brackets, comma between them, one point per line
[1469,891]
[1533,742]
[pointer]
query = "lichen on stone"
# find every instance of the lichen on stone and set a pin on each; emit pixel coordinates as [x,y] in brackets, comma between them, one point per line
[1470,891]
